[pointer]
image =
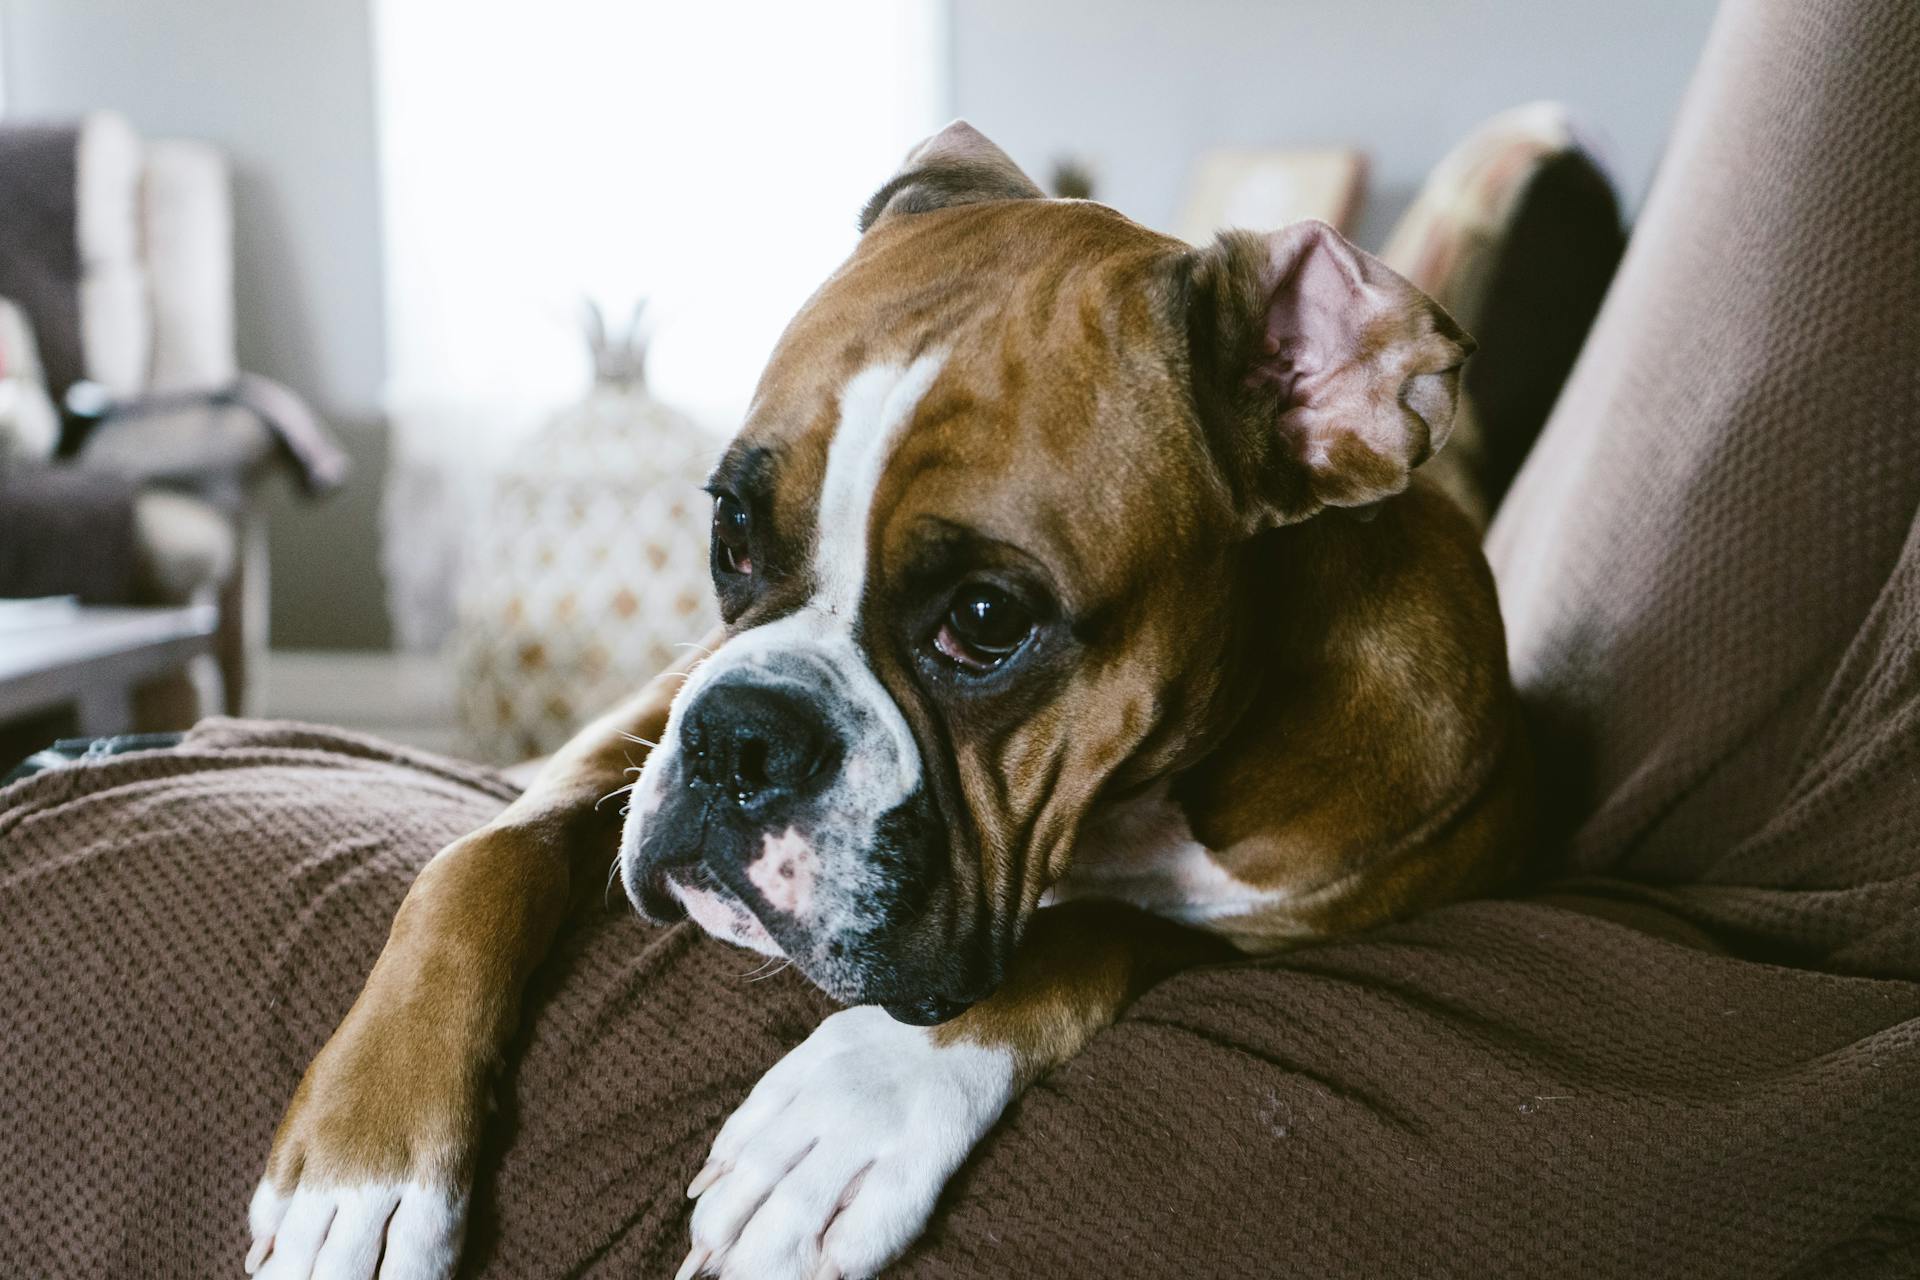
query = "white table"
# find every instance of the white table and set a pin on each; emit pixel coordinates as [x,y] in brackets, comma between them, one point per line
[91,659]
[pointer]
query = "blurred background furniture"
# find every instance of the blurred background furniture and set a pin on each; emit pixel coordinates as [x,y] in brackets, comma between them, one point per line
[1270,187]
[1517,232]
[132,449]
[69,669]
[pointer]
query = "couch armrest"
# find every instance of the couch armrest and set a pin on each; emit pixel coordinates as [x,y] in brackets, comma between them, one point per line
[207,447]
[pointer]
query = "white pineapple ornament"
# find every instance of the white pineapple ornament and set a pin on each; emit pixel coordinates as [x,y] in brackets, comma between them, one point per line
[590,569]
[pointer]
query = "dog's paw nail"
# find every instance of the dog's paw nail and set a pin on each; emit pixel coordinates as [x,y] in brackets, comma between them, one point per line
[704,1179]
[829,1270]
[258,1254]
[695,1260]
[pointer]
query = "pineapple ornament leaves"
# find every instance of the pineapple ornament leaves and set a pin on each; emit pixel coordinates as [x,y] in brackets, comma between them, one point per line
[618,362]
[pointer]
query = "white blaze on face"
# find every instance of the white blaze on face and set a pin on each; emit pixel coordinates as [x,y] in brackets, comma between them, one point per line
[875,407]
[814,650]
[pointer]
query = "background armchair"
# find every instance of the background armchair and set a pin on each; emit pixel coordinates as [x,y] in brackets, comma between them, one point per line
[116,255]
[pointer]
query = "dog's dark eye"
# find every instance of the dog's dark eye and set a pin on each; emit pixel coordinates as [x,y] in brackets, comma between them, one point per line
[731,525]
[984,627]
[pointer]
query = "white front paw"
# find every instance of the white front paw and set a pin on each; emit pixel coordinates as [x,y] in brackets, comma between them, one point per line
[831,1166]
[343,1231]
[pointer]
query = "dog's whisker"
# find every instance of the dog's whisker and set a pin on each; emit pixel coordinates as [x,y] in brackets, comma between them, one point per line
[762,973]
[748,975]
[613,873]
[634,737]
[615,792]
[688,644]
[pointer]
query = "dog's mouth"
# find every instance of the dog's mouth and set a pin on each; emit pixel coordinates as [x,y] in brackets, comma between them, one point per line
[845,921]
[710,905]
[670,894]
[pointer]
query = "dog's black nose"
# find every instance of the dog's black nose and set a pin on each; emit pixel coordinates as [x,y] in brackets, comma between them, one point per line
[756,744]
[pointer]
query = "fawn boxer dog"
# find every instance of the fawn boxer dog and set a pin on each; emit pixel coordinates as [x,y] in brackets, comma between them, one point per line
[1081,623]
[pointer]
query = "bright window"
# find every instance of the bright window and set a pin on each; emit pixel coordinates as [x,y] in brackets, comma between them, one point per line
[709,156]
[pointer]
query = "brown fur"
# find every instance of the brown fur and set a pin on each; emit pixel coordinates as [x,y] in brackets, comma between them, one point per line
[1378,769]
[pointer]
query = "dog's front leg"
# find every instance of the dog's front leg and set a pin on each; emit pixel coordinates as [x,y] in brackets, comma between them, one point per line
[371,1164]
[833,1164]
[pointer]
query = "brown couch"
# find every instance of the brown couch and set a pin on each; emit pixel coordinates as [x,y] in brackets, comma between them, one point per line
[1692,1050]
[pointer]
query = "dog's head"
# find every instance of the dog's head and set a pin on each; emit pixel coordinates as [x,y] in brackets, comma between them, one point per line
[977,546]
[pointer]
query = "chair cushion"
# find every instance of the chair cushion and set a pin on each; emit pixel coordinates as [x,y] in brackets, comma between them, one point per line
[29,425]
[70,246]
[116,312]
[67,531]
[187,220]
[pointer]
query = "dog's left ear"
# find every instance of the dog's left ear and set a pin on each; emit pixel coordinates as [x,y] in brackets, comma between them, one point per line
[1325,377]
[957,165]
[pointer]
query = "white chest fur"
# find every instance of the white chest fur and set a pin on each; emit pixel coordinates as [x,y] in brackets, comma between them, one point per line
[1142,852]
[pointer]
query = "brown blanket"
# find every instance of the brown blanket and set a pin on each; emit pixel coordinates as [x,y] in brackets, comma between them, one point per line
[1572,1085]
[1698,1057]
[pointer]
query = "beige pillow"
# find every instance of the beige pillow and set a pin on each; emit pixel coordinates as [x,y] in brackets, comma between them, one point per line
[1516,233]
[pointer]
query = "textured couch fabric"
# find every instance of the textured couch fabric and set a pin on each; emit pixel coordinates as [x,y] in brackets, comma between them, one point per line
[1696,1054]
[1579,1084]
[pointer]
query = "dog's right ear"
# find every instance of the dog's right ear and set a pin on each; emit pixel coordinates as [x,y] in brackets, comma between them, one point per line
[957,165]
[1327,377]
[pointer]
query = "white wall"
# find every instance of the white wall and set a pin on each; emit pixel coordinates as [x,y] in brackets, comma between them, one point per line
[286,88]
[1137,87]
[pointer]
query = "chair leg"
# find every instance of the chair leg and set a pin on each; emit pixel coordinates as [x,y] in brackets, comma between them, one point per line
[242,637]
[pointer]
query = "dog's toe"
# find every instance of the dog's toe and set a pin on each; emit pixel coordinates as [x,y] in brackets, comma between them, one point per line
[832,1166]
[399,1231]
[882,1216]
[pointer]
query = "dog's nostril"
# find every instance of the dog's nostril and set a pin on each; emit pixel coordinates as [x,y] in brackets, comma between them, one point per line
[750,770]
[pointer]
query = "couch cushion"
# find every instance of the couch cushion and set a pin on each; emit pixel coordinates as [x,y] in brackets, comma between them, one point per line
[1517,233]
[29,424]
